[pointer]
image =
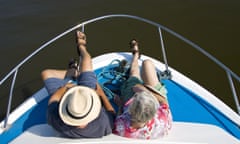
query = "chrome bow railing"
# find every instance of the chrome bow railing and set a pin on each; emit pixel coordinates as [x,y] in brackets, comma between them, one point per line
[160,27]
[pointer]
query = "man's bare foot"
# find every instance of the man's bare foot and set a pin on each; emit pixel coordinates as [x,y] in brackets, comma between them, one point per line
[81,41]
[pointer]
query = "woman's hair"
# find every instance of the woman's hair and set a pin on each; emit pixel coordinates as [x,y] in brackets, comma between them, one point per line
[143,108]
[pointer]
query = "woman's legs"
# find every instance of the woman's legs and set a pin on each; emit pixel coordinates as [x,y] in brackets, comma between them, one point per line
[134,70]
[148,73]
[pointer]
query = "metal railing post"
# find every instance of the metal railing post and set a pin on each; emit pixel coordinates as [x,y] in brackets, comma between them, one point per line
[234,92]
[10,98]
[163,48]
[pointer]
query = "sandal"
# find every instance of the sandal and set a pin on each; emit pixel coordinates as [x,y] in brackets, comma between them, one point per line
[134,47]
[72,69]
[72,64]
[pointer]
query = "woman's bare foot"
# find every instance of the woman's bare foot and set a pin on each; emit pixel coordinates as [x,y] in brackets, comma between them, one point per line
[134,47]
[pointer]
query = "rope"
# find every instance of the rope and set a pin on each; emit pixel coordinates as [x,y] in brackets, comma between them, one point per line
[114,75]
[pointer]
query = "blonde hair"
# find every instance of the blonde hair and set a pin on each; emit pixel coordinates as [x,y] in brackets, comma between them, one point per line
[143,108]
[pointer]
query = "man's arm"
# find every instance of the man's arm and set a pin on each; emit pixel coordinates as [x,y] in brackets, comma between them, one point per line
[56,97]
[108,106]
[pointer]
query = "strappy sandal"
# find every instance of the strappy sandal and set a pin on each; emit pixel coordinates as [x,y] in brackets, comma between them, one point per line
[134,47]
[72,69]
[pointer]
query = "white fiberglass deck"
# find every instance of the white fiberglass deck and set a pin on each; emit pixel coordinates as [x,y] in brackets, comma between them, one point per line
[181,133]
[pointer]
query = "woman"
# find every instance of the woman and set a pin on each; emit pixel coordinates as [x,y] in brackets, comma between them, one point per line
[145,110]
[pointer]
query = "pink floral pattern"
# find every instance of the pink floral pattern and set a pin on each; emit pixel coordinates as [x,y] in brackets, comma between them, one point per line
[155,128]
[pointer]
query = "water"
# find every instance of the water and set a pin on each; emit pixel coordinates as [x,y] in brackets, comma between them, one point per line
[27,24]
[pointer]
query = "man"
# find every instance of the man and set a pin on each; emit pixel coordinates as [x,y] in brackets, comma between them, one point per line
[75,109]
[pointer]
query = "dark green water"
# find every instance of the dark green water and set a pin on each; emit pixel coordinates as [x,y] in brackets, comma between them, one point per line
[27,24]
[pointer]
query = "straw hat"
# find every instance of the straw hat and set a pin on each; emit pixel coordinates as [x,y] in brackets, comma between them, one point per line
[79,106]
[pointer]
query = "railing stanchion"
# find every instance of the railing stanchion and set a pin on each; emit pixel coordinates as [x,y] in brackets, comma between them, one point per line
[163,48]
[10,99]
[234,92]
